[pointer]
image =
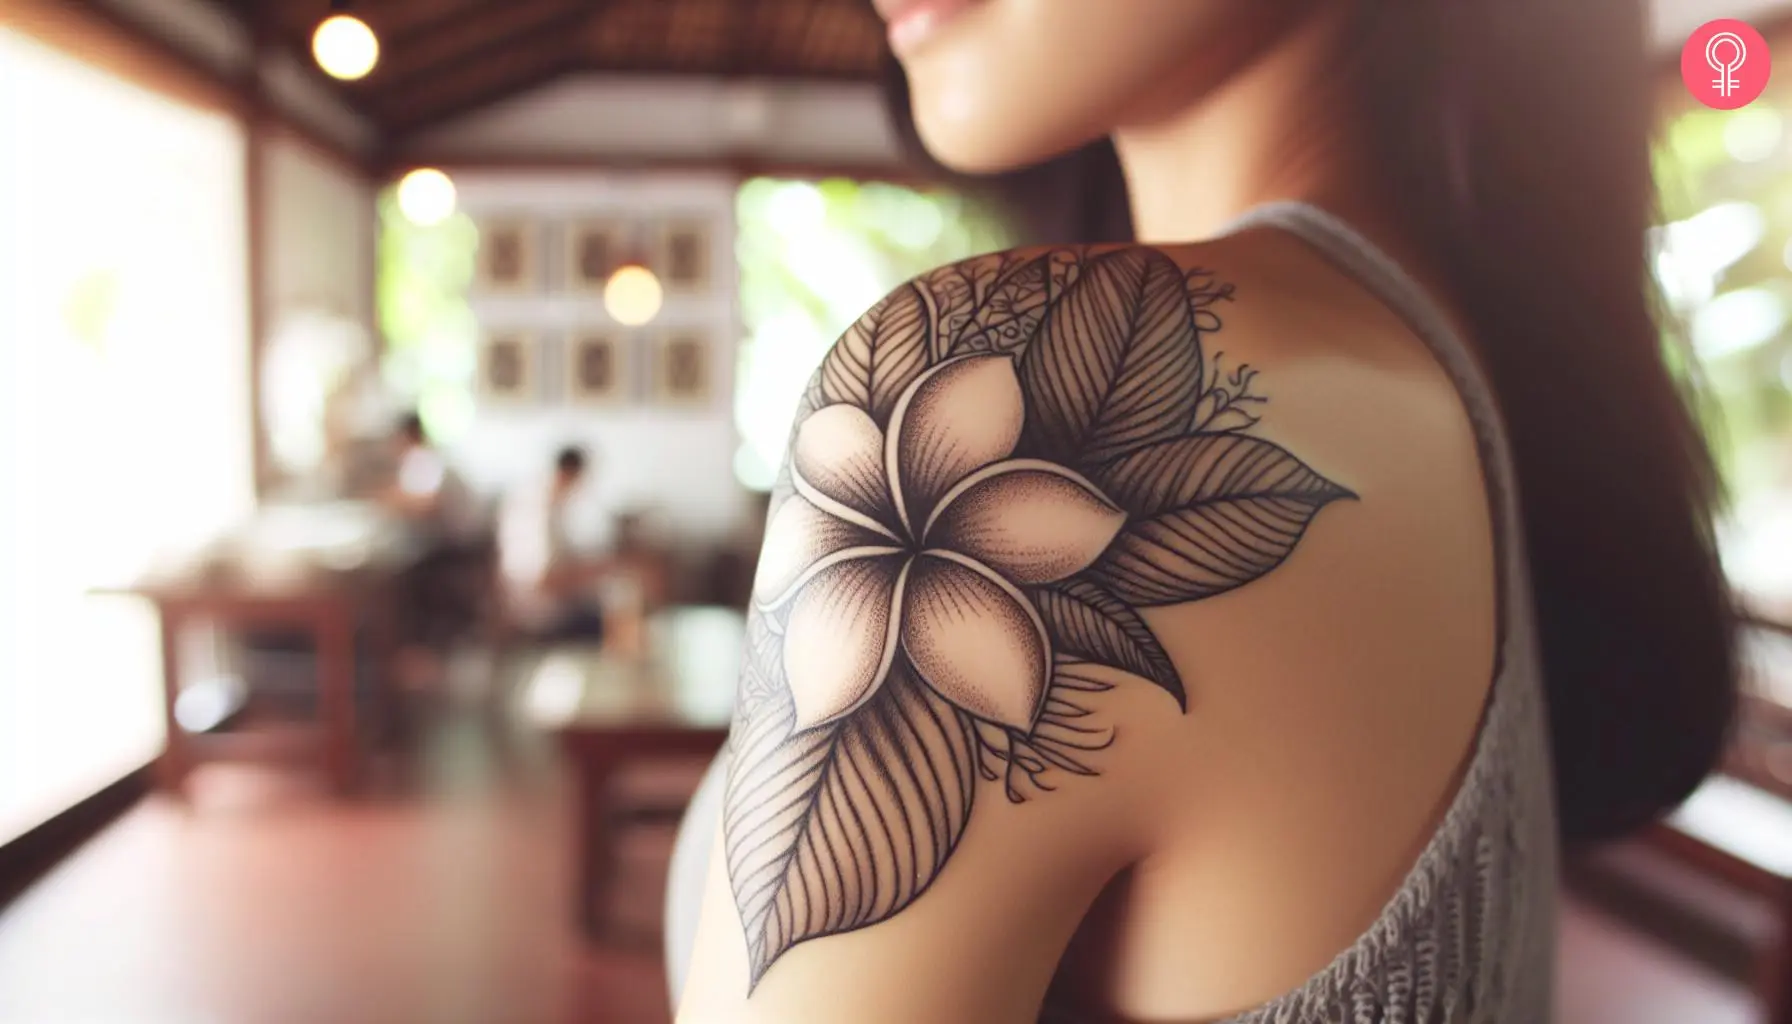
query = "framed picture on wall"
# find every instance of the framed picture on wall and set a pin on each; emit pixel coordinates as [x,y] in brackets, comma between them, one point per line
[507,367]
[682,367]
[507,256]
[684,255]
[593,252]
[597,368]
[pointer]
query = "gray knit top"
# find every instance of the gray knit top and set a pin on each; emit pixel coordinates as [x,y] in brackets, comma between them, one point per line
[1469,937]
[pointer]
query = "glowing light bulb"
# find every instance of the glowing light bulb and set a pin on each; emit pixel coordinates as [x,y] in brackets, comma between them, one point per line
[345,47]
[426,196]
[633,295]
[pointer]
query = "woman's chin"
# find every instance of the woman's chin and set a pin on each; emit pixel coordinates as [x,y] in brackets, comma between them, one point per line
[989,146]
[976,160]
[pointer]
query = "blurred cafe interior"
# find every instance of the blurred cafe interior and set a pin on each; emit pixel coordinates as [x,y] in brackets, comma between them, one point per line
[364,362]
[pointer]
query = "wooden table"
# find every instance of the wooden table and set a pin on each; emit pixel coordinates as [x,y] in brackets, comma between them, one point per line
[324,570]
[673,698]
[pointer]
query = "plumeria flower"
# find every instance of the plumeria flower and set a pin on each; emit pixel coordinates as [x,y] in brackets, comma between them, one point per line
[920,541]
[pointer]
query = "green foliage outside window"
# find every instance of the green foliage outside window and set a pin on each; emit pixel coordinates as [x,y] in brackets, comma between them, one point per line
[431,335]
[1726,184]
[1724,260]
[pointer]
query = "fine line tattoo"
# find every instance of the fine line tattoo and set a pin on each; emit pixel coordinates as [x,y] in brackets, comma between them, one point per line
[992,471]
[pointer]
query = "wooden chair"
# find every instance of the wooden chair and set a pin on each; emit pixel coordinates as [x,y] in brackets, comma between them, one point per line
[641,811]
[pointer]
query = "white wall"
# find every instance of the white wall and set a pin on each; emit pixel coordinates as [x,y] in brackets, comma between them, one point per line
[317,316]
[605,116]
[677,460]
[319,219]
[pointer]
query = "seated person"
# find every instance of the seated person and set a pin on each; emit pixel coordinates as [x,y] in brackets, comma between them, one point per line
[425,490]
[439,593]
[551,589]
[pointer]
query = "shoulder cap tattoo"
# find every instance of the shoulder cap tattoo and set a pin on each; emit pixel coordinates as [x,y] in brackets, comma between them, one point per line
[992,471]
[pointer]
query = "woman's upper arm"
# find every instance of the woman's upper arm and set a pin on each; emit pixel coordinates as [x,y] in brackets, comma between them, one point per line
[995,472]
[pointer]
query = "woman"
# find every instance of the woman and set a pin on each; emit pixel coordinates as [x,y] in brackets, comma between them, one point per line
[1228,626]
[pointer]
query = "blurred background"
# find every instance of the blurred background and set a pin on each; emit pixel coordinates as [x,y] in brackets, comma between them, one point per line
[392,390]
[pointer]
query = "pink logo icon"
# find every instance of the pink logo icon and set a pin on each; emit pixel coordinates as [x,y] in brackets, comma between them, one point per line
[1725,64]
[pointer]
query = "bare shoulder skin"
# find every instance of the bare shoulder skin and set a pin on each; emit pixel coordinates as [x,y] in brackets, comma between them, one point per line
[1124,616]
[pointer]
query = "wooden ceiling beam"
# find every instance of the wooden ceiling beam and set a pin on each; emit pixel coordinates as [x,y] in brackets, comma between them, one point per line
[449,47]
[742,16]
[388,18]
[501,68]
[443,16]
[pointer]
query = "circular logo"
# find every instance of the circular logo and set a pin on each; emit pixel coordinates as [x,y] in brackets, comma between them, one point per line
[1725,64]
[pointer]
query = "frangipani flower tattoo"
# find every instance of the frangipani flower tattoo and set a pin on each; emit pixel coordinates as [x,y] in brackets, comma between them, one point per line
[992,472]
[920,542]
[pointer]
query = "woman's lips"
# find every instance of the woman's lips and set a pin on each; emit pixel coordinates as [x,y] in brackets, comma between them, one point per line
[913,22]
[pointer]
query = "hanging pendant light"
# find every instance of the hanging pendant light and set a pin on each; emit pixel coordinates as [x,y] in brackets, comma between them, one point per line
[633,295]
[426,196]
[344,46]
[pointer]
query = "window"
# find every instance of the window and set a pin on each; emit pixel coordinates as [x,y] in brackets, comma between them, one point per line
[431,335]
[124,410]
[1725,263]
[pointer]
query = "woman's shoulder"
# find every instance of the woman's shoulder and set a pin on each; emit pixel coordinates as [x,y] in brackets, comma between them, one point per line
[1267,287]
[1240,467]
[1119,342]
[1108,549]
[1103,443]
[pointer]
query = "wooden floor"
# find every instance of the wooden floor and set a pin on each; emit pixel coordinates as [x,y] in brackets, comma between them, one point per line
[262,902]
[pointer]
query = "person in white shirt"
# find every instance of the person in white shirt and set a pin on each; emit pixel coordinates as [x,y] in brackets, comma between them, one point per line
[551,588]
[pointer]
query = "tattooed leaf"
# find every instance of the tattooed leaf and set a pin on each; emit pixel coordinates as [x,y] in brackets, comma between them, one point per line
[1065,267]
[841,826]
[879,355]
[763,671]
[1117,364]
[953,294]
[1086,621]
[1209,514]
[1011,314]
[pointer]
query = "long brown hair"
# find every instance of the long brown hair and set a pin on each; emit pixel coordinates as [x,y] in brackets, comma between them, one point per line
[1513,138]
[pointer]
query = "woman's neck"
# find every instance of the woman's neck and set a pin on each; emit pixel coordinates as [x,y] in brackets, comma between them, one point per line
[1278,127]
